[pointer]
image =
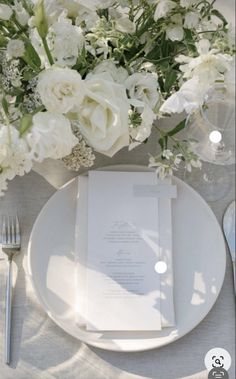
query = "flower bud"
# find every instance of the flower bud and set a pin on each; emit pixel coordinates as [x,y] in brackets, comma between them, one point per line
[5,12]
[40,20]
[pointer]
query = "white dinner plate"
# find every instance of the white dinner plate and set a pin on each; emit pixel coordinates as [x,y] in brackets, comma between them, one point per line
[199,260]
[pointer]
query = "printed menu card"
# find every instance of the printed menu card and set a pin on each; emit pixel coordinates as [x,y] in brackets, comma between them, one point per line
[123,228]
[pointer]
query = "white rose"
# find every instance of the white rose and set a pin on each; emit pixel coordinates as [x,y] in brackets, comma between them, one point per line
[118,74]
[163,8]
[50,137]
[60,89]
[68,41]
[5,12]
[15,48]
[143,87]
[103,115]
[191,20]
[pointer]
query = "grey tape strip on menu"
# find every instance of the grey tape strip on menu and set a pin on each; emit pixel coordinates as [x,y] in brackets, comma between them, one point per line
[159,191]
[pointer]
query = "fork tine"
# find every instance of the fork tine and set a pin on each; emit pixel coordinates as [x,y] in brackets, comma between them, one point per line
[8,229]
[4,231]
[17,230]
[13,233]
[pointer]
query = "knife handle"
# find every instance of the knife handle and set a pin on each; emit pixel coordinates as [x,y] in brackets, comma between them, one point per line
[234,273]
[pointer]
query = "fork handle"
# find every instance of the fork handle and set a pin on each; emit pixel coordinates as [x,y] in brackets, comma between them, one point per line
[8,312]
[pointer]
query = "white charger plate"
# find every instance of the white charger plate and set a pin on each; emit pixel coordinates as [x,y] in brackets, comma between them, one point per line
[199,259]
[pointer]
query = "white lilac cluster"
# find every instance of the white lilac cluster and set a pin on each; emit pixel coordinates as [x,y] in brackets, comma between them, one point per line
[78,76]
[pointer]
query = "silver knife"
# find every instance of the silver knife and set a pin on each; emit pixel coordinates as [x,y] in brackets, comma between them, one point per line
[229,231]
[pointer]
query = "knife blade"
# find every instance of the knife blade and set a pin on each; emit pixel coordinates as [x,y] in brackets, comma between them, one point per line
[229,231]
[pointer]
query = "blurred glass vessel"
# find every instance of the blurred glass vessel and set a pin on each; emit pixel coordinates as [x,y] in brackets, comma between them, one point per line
[211,132]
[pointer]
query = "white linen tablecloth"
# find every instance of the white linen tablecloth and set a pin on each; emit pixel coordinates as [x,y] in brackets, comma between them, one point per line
[40,349]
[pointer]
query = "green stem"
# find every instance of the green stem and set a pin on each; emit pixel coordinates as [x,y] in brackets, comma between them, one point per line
[48,52]
[38,109]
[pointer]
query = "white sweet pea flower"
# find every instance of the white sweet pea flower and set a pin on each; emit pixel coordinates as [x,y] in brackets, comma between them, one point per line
[50,137]
[141,132]
[144,87]
[5,12]
[188,3]
[67,42]
[100,4]
[88,17]
[60,89]
[175,31]
[191,20]
[118,74]
[188,98]
[22,15]
[121,18]
[208,66]
[15,48]
[103,115]
[163,8]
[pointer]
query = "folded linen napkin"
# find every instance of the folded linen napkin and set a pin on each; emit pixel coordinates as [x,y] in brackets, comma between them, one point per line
[165,230]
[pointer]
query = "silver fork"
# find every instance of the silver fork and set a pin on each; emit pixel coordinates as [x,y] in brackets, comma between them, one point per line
[11,243]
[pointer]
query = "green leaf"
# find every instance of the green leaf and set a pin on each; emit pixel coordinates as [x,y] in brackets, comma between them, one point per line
[170,79]
[216,13]
[163,142]
[19,100]
[177,128]
[25,124]
[31,56]
[5,105]
[3,41]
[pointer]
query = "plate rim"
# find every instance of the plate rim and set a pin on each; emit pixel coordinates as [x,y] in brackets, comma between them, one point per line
[96,343]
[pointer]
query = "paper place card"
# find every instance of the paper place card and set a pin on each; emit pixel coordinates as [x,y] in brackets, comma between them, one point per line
[123,288]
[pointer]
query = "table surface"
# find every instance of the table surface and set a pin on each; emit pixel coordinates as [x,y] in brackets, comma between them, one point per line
[40,349]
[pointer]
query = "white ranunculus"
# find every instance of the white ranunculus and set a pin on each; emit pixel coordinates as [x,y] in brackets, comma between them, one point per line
[189,97]
[5,12]
[163,8]
[14,153]
[15,48]
[60,89]
[50,137]
[103,115]
[143,87]
[68,41]
[118,74]
[191,20]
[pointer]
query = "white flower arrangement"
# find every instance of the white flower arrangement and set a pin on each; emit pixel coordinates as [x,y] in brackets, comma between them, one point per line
[84,76]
